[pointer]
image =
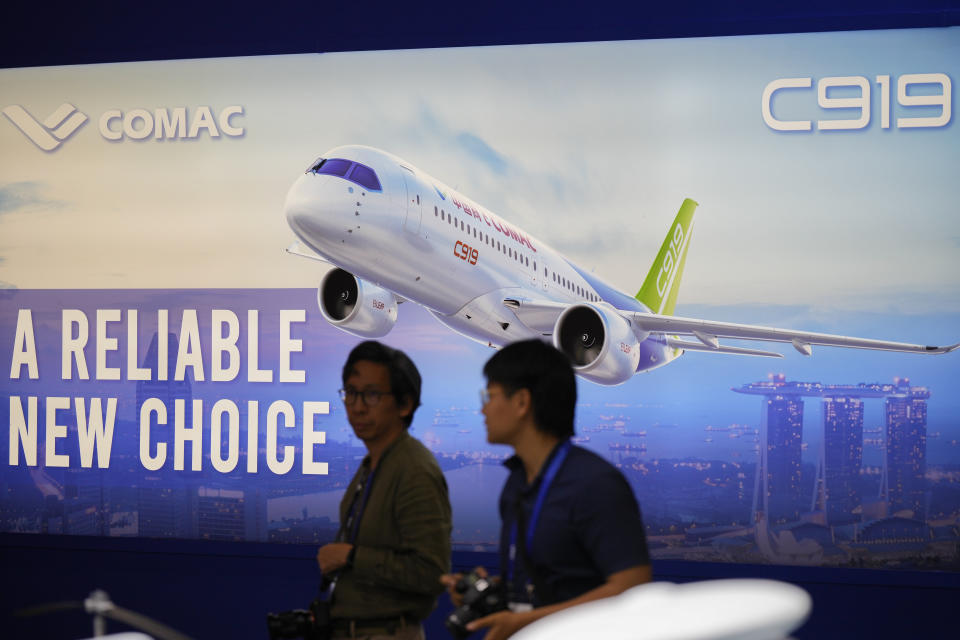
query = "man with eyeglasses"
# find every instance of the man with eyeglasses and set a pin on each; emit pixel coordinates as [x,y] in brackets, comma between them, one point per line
[571,528]
[395,518]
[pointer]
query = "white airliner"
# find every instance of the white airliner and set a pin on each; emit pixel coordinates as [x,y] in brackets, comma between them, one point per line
[395,233]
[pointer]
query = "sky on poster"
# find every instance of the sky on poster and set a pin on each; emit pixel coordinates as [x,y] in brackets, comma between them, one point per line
[588,147]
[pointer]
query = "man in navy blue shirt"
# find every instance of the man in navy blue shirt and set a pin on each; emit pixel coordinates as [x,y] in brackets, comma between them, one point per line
[572,531]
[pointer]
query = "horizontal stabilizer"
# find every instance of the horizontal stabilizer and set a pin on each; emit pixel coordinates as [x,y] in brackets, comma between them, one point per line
[721,348]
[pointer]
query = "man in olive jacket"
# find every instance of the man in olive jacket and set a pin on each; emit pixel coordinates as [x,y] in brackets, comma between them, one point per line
[395,518]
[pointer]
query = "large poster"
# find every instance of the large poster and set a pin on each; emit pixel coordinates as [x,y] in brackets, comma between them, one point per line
[167,369]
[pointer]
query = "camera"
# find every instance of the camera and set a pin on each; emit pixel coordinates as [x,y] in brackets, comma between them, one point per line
[481,597]
[309,624]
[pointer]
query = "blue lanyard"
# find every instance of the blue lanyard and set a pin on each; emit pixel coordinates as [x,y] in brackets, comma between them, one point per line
[348,532]
[548,477]
[352,525]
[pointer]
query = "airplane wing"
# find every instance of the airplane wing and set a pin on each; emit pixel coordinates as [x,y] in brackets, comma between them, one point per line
[673,341]
[541,316]
[708,332]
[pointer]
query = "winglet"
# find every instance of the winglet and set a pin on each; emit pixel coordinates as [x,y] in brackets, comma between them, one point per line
[659,290]
[947,349]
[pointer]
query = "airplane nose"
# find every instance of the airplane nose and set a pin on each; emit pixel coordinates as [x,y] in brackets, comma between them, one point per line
[307,209]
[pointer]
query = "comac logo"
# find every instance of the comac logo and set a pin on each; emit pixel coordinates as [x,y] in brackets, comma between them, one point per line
[51,133]
[163,123]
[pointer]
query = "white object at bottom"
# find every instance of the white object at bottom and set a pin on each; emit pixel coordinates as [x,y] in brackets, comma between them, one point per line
[741,609]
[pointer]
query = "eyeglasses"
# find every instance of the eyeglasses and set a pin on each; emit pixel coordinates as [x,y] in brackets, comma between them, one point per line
[371,397]
[486,394]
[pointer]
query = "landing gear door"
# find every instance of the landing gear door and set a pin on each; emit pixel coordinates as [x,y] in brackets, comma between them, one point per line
[412,222]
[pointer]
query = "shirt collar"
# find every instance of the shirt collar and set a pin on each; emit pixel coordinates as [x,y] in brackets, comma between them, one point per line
[514,464]
[390,447]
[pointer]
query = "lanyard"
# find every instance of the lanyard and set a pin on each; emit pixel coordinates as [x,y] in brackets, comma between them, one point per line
[350,528]
[548,477]
[348,532]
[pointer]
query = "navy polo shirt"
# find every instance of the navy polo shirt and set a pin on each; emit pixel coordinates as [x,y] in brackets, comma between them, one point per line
[589,526]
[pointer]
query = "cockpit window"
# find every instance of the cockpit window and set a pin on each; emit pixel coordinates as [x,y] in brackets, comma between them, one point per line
[365,177]
[333,167]
[352,171]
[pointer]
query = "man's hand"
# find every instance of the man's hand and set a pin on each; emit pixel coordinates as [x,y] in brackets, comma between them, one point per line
[449,580]
[332,557]
[503,624]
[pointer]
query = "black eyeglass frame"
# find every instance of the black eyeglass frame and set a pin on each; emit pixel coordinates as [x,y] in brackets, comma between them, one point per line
[370,397]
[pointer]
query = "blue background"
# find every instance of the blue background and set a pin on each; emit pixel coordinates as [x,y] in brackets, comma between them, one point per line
[208,589]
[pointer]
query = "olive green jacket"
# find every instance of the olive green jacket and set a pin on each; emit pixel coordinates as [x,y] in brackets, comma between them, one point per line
[403,540]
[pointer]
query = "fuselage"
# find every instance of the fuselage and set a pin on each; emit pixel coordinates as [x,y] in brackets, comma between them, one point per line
[391,224]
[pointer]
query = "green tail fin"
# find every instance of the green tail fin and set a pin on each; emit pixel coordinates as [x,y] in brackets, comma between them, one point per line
[659,290]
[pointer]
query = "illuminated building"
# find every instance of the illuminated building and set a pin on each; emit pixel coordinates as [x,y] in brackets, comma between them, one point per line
[781,437]
[220,514]
[905,464]
[164,511]
[169,390]
[835,494]
[841,456]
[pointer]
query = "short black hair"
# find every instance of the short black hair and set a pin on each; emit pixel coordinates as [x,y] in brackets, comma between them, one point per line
[545,372]
[405,380]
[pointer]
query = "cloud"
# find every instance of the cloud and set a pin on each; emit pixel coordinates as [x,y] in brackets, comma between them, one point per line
[504,176]
[24,196]
[482,151]
[468,143]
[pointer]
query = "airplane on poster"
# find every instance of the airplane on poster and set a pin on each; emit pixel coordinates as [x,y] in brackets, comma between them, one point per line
[394,233]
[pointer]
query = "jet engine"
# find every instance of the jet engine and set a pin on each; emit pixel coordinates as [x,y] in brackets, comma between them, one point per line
[599,342]
[357,307]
